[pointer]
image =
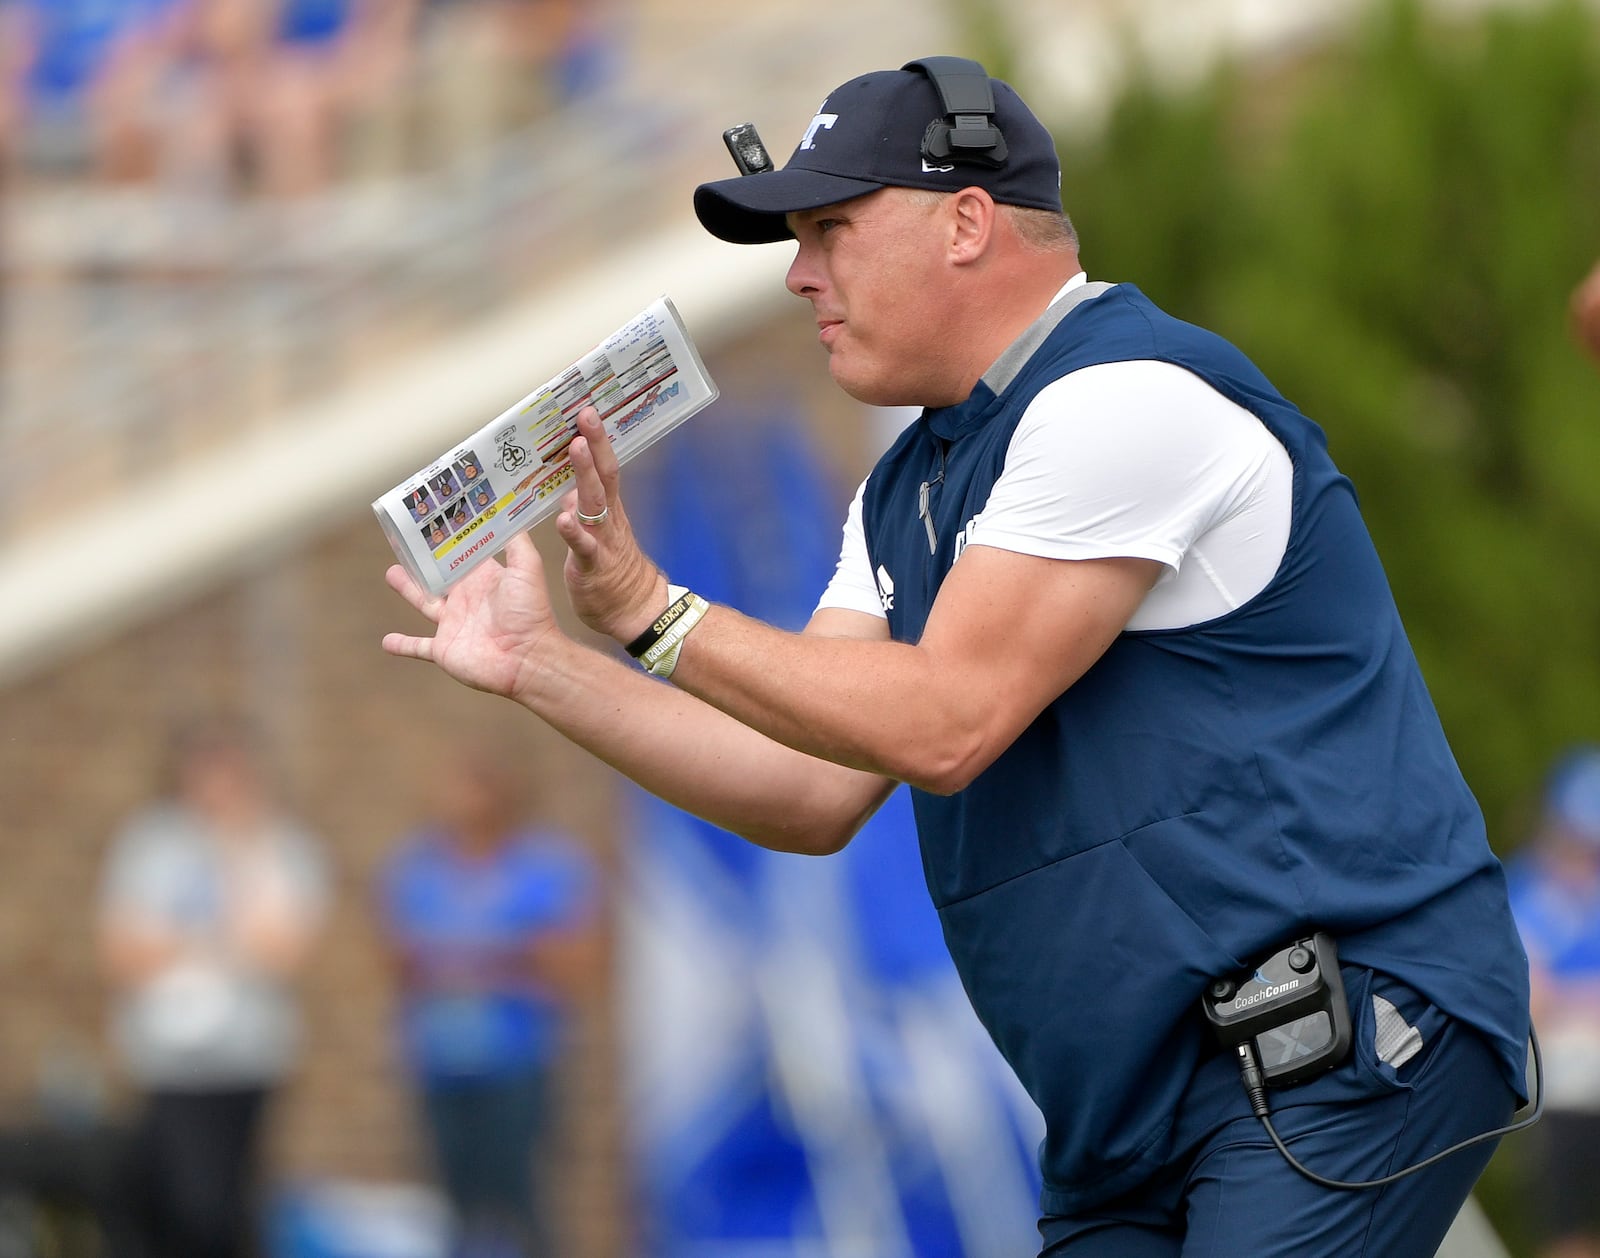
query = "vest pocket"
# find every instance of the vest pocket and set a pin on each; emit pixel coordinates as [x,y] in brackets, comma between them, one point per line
[1232,881]
[1397,1032]
[1089,976]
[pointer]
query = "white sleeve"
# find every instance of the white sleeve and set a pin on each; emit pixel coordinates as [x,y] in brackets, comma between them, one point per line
[1143,459]
[852,586]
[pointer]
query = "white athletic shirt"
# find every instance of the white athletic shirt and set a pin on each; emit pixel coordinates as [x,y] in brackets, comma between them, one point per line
[1136,459]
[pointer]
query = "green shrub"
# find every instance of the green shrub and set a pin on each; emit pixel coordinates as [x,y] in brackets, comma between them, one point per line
[1391,229]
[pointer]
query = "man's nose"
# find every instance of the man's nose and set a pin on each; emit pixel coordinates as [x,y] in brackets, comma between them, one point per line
[802,279]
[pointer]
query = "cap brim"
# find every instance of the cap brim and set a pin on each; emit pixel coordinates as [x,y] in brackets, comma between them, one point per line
[749,209]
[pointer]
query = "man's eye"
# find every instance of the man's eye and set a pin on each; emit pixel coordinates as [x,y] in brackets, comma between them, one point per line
[825,225]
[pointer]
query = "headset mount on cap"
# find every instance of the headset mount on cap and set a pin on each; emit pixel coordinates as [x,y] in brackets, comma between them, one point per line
[967,132]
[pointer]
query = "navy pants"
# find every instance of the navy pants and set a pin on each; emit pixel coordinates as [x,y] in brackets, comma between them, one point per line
[1233,1194]
[488,1135]
[195,1162]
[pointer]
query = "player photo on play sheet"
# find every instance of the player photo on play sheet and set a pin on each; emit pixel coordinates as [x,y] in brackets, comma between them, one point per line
[444,519]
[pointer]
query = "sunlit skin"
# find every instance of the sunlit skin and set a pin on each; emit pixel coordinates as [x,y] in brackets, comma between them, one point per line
[862,265]
[914,300]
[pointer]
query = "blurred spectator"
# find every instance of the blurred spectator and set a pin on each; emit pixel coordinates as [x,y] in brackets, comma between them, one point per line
[1586,312]
[328,60]
[557,41]
[283,80]
[212,900]
[492,925]
[82,83]
[1555,893]
[492,66]
[270,96]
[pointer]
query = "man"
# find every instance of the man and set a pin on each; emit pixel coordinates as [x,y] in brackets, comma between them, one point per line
[490,920]
[212,905]
[1111,611]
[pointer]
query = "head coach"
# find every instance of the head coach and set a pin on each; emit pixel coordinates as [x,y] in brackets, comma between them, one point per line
[1110,609]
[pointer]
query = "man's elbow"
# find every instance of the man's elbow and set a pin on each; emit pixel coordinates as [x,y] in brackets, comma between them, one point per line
[950,781]
[803,837]
[827,842]
[808,842]
[948,766]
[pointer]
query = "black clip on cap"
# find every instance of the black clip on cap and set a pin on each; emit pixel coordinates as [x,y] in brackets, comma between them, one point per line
[967,132]
[748,152]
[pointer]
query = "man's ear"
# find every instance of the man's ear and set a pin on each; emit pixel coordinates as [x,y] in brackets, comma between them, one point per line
[972,224]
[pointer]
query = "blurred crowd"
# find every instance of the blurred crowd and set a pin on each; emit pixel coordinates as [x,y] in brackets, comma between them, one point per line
[213,901]
[274,97]
[216,209]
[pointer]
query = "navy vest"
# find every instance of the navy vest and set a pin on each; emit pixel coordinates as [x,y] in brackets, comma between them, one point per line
[1197,798]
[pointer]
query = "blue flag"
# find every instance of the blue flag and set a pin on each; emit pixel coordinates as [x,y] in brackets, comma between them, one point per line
[806,1077]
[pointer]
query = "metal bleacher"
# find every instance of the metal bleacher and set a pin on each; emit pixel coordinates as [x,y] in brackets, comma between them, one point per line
[169,350]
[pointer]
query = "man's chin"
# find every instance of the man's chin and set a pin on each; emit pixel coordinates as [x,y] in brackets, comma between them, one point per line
[865,387]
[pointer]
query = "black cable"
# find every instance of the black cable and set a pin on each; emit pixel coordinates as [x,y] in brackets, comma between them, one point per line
[1250,1073]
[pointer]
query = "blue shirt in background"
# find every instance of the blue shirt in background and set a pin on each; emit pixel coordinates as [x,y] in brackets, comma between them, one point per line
[74,39]
[471,1007]
[1559,919]
[313,21]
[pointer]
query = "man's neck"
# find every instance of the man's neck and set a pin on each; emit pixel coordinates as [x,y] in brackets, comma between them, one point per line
[1010,319]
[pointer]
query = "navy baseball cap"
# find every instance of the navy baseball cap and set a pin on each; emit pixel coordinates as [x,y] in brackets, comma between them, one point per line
[896,128]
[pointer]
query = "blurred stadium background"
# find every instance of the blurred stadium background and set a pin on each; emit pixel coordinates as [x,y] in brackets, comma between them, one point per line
[256,264]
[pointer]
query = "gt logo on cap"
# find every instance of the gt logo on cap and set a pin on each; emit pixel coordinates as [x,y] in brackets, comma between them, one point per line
[822,122]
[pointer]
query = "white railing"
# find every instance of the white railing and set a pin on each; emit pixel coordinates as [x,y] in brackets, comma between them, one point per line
[145,327]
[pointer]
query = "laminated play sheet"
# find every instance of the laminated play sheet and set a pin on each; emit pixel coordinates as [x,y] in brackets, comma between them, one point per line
[645,379]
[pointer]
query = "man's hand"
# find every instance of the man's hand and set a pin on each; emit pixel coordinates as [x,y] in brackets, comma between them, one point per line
[492,625]
[614,587]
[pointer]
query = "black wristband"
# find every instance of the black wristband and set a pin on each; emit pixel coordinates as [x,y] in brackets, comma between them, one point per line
[675,609]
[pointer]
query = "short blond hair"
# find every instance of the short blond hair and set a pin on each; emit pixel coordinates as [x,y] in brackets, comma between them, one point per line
[1043,231]
[1048,231]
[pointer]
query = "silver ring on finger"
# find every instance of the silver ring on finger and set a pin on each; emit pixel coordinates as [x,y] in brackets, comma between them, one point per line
[593,521]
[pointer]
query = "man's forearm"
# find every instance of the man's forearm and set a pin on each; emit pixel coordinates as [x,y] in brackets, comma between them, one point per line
[844,699]
[876,705]
[693,756]
[1008,633]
